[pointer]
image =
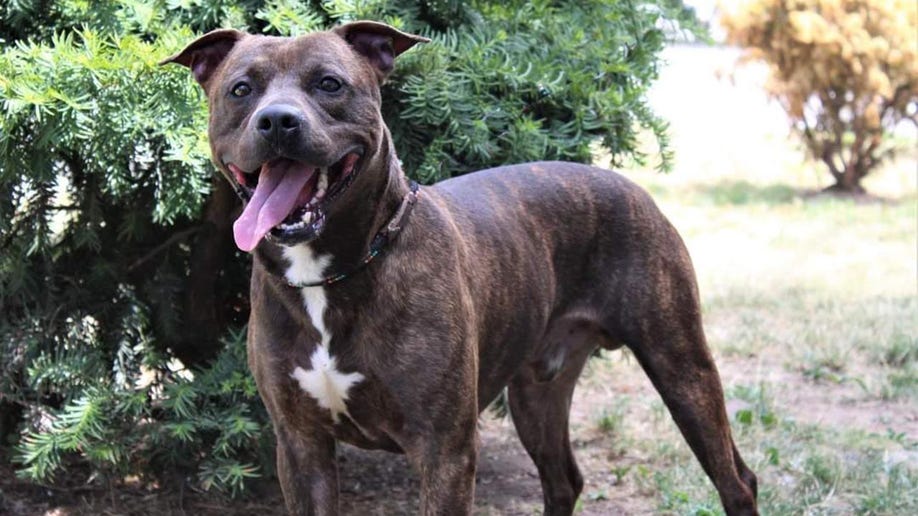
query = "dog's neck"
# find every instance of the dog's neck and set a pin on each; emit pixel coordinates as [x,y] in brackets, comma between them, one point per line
[370,202]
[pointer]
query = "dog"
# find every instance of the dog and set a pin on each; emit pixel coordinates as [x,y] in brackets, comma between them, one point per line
[388,315]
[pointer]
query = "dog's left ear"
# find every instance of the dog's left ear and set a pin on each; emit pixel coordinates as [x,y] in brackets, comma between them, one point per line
[379,43]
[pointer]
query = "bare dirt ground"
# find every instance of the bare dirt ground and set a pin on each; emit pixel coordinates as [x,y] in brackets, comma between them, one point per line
[380,483]
[372,483]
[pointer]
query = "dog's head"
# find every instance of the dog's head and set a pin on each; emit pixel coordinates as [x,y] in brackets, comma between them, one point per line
[293,121]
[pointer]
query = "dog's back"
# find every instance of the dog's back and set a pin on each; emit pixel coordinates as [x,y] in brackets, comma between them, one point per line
[584,247]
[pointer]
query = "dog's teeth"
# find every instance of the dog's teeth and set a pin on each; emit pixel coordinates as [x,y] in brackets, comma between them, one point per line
[319,194]
[307,217]
[323,180]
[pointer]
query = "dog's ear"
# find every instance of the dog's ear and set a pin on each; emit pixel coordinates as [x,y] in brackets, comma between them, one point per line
[379,43]
[205,54]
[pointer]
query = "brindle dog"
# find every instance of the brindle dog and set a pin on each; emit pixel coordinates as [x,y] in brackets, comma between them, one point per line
[511,277]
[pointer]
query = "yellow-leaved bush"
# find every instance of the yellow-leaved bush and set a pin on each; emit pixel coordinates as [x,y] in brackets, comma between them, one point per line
[845,72]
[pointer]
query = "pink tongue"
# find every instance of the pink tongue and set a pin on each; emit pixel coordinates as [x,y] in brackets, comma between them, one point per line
[275,197]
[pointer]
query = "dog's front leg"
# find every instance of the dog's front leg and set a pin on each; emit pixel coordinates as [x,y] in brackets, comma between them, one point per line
[446,464]
[307,471]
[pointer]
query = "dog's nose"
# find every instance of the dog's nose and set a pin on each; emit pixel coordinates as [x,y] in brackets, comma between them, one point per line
[277,122]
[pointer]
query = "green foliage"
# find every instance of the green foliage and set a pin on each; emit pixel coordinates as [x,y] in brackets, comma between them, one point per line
[166,419]
[760,410]
[117,279]
[542,80]
[611,419]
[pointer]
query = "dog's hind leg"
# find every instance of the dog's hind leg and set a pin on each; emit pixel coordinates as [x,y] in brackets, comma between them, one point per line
[661,319]
[540,402]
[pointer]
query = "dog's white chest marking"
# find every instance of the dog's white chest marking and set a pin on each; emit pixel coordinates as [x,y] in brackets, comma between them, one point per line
[323,381]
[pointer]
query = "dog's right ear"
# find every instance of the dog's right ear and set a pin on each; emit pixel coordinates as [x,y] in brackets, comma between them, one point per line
[205,54]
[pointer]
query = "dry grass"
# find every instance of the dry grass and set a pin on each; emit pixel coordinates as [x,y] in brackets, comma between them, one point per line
[810,308]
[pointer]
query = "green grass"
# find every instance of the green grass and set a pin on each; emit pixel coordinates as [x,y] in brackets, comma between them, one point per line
[612,418]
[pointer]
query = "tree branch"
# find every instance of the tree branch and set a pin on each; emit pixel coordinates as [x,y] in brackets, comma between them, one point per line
[34,207]
[172,240]
[821,149]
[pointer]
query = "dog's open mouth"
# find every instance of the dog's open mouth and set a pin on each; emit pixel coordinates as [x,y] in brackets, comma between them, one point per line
[289,199]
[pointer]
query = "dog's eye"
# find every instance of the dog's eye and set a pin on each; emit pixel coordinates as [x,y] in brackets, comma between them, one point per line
[241,89]
[329,84]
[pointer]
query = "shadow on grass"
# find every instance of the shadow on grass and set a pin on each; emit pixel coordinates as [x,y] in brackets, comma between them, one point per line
[856,197]
[742,192]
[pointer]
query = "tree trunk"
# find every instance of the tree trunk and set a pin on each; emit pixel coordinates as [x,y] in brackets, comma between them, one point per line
[10,417]
[855,170]
[204,322]
[844,188]
[849,182]
[849,174]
